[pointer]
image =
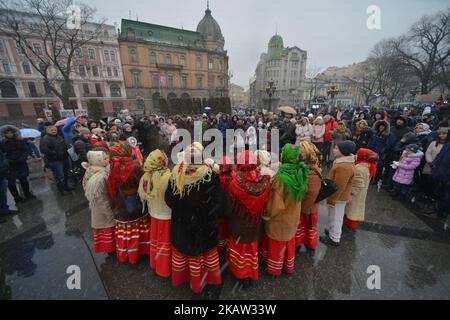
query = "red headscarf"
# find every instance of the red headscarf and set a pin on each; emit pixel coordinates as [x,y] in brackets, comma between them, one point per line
[249,189]
[368,158]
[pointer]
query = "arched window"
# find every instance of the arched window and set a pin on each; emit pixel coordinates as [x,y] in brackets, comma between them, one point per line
[26,67]
[8,90]
[115,90]
[171,96]
[133,55]
[152,58]
[155,99]
[168,59]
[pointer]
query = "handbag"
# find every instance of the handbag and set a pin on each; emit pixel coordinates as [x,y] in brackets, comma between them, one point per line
[327,188]
[72,154]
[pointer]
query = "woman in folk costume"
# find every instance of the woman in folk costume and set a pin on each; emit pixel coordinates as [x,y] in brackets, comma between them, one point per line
[283,211]
[264,163]
[307,229]
[247,197]
[152,190]
[196,199]
[365,169]
[96,191]
[225,177]
[132,225]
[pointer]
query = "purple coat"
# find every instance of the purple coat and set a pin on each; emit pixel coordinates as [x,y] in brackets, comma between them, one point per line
[408,163]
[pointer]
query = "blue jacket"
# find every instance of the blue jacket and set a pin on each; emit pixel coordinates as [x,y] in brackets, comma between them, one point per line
[441,165]
[67,130]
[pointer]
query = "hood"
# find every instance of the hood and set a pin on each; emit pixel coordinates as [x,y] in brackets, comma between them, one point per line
[404,120]
[377,124]
[418,154]
[8,127]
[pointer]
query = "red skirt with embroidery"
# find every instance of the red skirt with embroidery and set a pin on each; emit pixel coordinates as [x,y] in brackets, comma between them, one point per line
[223,236]
[104,241]
[160,257]
[307,231]
[242,259]
[352,224]
[132,239]
[198,270]
[279,255]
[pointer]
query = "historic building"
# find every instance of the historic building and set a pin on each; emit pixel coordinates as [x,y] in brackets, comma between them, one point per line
[165,62]
[97,75]
[238,96]
[286,67]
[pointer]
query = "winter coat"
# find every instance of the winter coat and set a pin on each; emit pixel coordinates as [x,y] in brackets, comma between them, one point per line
[54,148]
[4,165]
[355,210]
[81,148]
[67,130]
[362,140]
[329,126]
[195,217]
[223,126]
[378,142]
[441,165]
[303,133]
[342,174]
[282,215]
[407,164]
[396,134]
[287,134]
[430,155]
[16,151]
[318,133]
[309,204]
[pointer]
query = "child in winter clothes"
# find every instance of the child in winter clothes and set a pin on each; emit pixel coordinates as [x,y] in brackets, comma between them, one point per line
[404,174]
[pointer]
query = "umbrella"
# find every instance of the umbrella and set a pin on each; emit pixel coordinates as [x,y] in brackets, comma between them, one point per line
[287,109]
[30,133]
[61,122]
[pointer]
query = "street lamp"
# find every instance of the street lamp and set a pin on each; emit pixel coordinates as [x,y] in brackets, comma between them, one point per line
[333,91]
[270,90]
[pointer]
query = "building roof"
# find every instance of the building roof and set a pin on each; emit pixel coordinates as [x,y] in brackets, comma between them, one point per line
[209,28]
[276,47]
[162,34]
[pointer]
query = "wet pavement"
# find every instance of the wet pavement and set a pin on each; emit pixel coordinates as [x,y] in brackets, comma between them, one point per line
[53,233]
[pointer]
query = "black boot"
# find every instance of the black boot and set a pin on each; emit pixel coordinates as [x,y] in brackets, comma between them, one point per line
[26,190]
[15,194]
[327,241]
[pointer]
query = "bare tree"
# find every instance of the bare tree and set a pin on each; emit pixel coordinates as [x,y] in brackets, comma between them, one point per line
[426,50]
[311,73]
[367,80]
[46,22]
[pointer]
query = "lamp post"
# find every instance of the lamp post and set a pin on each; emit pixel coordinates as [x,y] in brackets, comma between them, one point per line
[333,91]
[270,90]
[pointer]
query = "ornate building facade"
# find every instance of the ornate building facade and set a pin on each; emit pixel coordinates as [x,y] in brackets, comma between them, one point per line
[165,62]
[286,67]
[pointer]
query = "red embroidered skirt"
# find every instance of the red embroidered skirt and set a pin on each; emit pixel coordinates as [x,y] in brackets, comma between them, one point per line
[242,259]
[223,236]
[307,231]
[104,240]
[351,223]
[132,239]
[198,270]
[279,255]
[160,257]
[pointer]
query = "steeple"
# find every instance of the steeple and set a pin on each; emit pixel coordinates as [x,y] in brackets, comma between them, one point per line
[207,7]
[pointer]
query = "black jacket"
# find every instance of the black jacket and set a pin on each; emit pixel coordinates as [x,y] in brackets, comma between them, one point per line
[4,165]
[194,222]
[54,148]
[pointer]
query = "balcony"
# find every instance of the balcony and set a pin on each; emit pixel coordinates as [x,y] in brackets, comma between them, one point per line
[169,66]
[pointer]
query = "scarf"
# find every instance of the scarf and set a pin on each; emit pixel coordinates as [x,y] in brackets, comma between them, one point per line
[293,173]
[342,128]
[249,190]
[185,176]
[310,152]
[97,172]
[156,174]
[368,158]
[225,173]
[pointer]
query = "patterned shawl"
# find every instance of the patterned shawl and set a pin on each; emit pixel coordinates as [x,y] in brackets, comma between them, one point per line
[368,158]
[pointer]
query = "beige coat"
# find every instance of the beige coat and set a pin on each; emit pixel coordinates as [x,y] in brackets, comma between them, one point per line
[431,154]
[355,210]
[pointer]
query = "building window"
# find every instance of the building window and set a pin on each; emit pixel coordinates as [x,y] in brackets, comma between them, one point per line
[98,90]
[2,47]
[210,64]
[26,68]
[170,81]
[115,91]
[211,82]
[106,53]
[155,80]
[19,47]
[86,88]
[6,66]
[91,54]
[95,72]
[199,82]
[15,110]
[198,62]
[8,90]
[47,89]
[152,58]
[184,80]
[133,55]
[78,53]
[116,72]
[37,49]
[221,82]
[113,56]
[32,88]
[168,59]
[221,65]
[136,80]
[183,60]
[108,70]
[82,71]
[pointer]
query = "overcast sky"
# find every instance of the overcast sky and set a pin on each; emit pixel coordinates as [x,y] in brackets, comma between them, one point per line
[334,33]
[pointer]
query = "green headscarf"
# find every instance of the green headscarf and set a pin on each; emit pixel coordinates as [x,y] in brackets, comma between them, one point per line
[293,172]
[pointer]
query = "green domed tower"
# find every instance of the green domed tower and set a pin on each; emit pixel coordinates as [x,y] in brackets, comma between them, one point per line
[276,47]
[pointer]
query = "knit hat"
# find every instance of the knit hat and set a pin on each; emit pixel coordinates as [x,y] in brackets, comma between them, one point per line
[346,147]
[84,130]
[413,147]
[426,111]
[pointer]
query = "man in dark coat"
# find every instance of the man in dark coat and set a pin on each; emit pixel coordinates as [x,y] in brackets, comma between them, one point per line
[4,169]
[17,151]
[441,180]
